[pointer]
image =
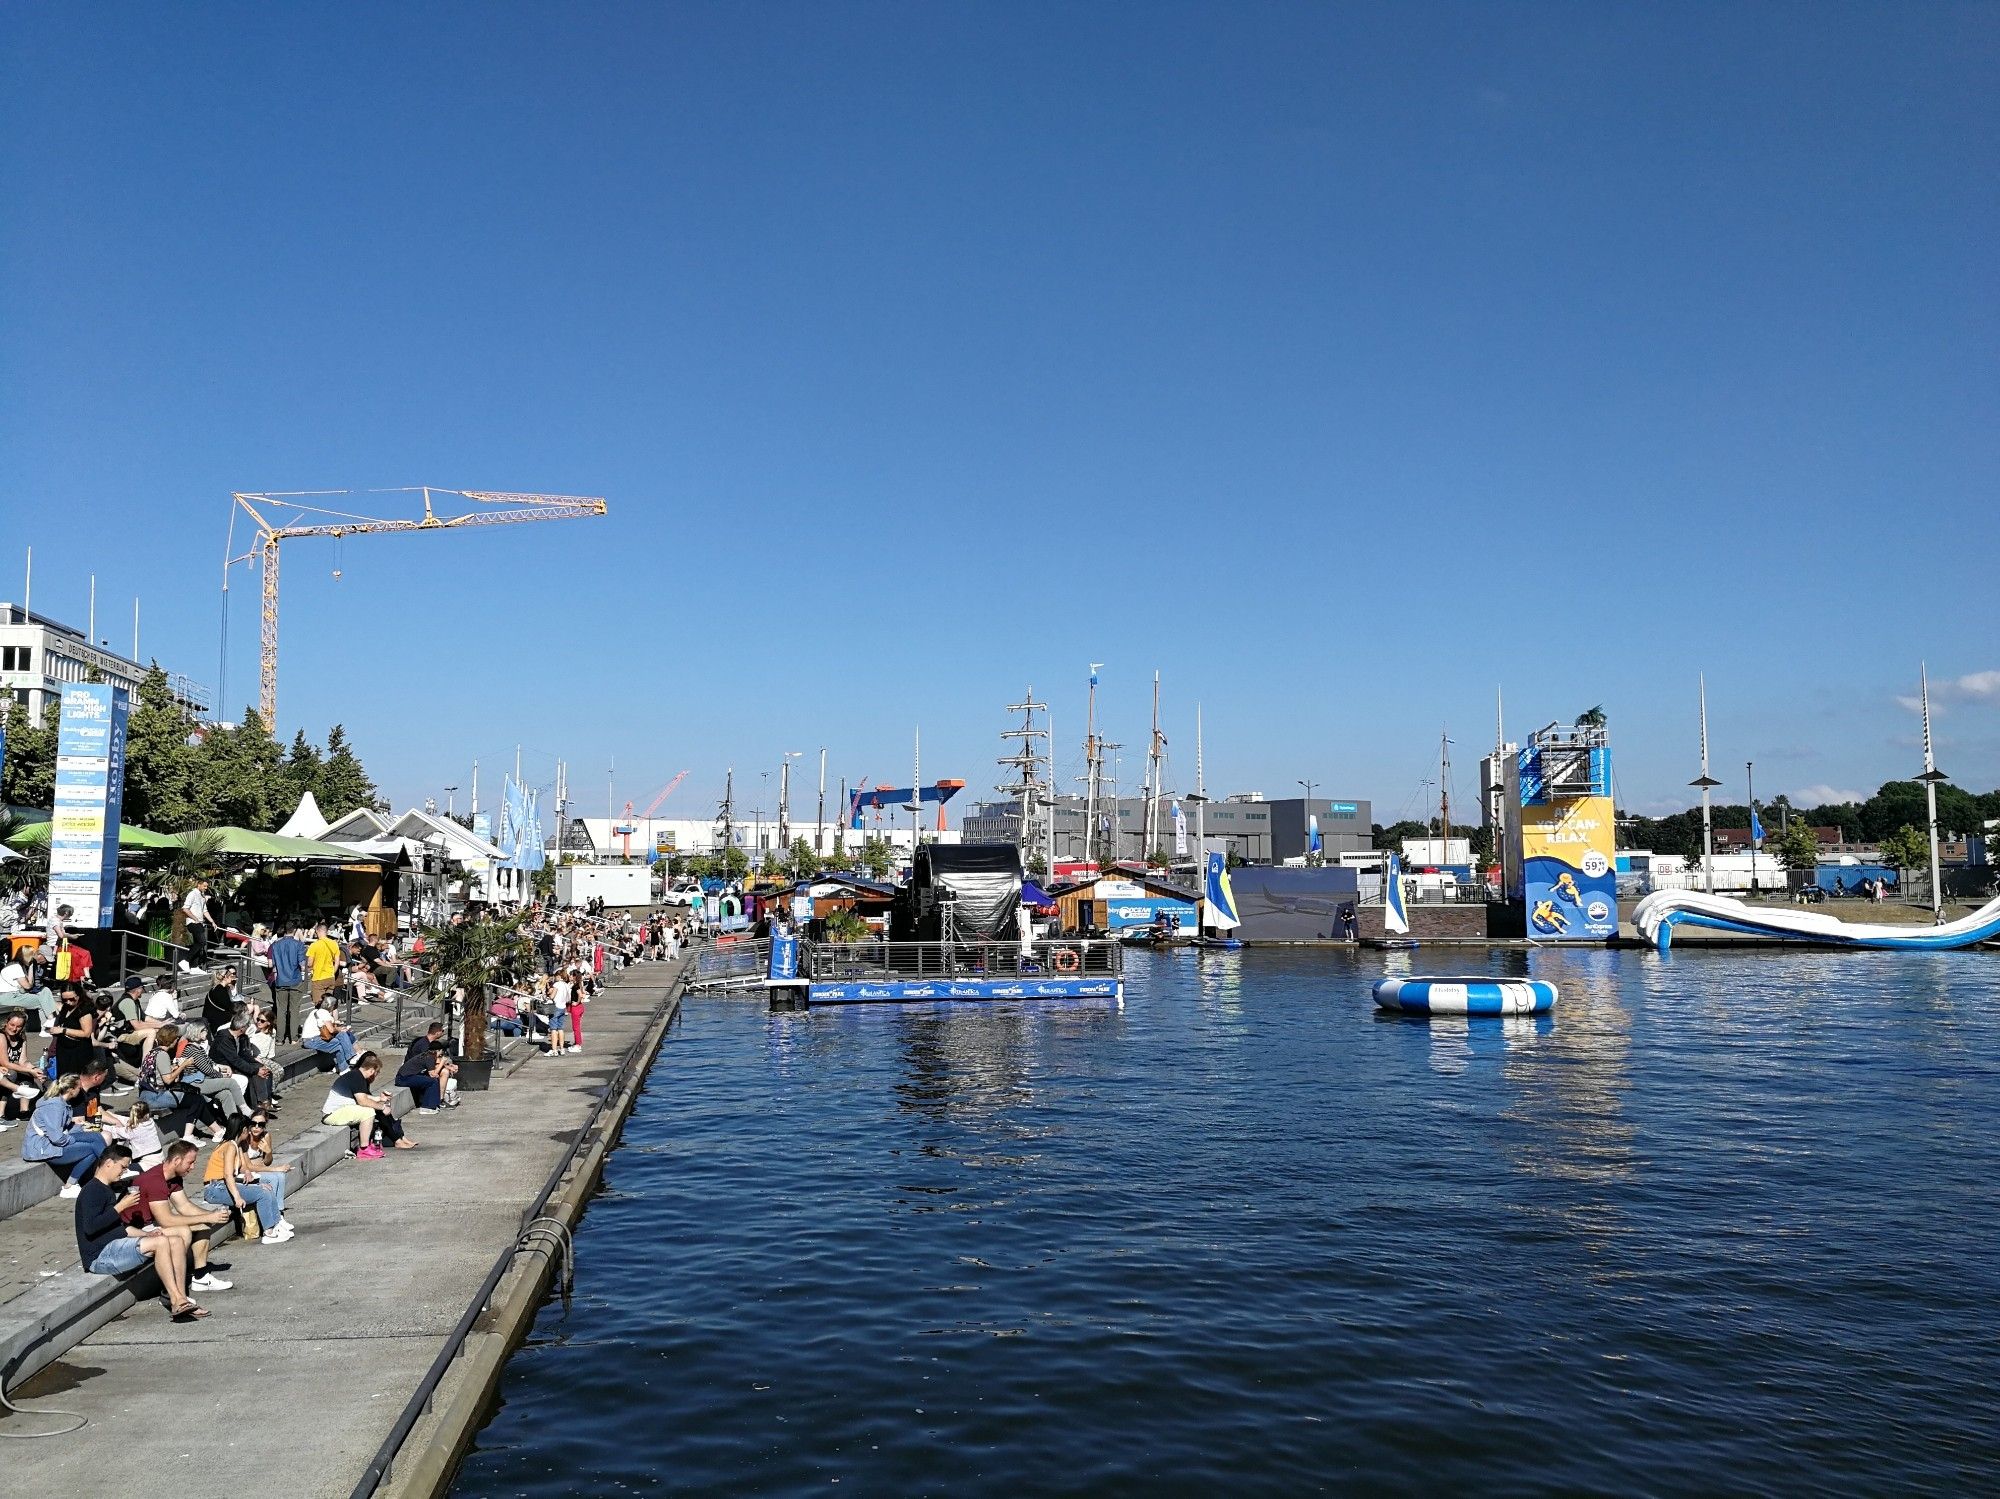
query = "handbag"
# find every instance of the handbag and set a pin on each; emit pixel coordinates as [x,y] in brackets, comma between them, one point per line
[328,1032]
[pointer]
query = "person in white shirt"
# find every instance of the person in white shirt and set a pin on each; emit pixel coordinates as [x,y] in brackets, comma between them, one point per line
[164,1003]
[194,906]
[323,1032]
[14,977]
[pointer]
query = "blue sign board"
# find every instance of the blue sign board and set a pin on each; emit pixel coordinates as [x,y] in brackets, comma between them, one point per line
[862,991]
[89,800]
[784,967]
[1121,915]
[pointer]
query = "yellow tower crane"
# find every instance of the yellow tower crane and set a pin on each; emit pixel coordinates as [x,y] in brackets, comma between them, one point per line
[301,518]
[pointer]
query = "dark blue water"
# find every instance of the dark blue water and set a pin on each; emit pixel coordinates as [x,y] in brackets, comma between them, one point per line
[1726,1223]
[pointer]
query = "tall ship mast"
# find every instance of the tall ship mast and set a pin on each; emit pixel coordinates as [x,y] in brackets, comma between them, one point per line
[1029,786]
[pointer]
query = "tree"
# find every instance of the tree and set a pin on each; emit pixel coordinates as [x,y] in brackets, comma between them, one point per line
[302,771]
[1796,849]
[235,775]
[1391,838]
[1591,718]
[159,763]
[343,784]
[468,958]
[878,858]
[1906,849]
[30,779]
[801,860]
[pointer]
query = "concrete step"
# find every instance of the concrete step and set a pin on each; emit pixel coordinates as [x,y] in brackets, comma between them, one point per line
[42,1324]
[23,1184]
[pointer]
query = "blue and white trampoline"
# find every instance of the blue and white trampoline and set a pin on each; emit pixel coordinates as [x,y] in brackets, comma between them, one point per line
[1465,996]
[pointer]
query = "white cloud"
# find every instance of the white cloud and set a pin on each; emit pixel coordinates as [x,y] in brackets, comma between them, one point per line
[1973,687]
[1818,796]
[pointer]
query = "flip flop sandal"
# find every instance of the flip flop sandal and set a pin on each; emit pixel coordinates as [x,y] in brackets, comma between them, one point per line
[191,1313]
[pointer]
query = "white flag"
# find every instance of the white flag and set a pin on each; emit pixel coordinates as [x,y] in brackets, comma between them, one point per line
[1180,833]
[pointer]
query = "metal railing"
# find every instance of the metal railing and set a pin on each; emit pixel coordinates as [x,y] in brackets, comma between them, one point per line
[826,961]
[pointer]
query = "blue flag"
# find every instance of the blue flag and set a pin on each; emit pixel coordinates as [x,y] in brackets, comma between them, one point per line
[1756,829]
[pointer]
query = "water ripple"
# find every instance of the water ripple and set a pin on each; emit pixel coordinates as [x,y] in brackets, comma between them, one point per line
[1726,1223]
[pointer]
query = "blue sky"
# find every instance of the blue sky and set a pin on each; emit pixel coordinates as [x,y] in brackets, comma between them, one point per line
[1342,363]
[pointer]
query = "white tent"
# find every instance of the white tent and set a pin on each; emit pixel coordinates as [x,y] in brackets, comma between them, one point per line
[305,821]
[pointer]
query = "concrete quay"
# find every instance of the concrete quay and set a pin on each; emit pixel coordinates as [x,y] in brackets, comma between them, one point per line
[332,1333]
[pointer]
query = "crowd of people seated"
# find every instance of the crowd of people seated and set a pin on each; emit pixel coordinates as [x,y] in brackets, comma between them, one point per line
[210,1078]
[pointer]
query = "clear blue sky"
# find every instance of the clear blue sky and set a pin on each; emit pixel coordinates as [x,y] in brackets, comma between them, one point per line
[925,352]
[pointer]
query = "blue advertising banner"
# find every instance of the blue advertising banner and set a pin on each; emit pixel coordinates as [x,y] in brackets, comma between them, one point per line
[784,967]
[1121,915]
[866,991]
[89,798]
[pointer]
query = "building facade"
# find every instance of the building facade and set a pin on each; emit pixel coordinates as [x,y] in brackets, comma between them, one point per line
[1251,829]
[39,656]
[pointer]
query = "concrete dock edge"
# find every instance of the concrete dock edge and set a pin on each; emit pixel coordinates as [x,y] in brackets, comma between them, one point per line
[427,1462]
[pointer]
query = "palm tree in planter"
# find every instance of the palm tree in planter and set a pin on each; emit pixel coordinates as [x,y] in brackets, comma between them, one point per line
[468,958]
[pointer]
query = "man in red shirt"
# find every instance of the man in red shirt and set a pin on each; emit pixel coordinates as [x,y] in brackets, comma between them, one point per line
[163,1201]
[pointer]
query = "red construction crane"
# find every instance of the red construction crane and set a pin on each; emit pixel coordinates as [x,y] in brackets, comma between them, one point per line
[627,829]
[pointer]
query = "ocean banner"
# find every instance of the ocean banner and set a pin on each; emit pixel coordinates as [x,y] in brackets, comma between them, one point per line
[89,800]
[1569,880]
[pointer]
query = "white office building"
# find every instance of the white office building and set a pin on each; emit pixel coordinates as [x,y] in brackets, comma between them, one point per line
[40,656]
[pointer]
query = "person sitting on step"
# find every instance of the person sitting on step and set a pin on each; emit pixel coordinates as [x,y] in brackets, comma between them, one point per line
[230,1180]
[161,1199]
[324,1033]
[108,1245]
[429,1072]
[369,1115]
[55,1138]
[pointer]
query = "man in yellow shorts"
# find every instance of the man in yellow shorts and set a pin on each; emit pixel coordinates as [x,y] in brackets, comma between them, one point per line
[322,963]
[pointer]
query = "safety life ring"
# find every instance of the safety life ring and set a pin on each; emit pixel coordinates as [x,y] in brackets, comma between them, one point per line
[1066,960]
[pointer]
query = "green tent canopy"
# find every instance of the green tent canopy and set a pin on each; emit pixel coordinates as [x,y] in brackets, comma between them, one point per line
[244,842]
[36,835]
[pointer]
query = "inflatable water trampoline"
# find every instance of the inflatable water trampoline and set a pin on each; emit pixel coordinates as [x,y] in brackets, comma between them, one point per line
[1474,995]
[1659,913]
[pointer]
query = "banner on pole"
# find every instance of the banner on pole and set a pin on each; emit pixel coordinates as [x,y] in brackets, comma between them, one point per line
[89,800]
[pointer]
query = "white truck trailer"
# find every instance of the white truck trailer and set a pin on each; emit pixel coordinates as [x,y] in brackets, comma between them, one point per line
[614,884]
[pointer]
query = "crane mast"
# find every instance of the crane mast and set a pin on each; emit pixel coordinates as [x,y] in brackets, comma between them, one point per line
[304,518]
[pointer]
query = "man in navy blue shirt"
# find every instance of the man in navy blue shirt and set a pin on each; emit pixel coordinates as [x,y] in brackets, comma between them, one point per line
[107,1246]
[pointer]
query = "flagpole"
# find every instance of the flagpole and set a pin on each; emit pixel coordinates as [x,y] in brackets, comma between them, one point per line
[1750,781]
[1707,782]
[1931,776]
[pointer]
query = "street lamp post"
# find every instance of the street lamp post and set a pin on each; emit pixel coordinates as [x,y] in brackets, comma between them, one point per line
[785,797]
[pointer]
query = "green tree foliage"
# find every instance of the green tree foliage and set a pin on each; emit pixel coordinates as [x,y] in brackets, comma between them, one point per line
[30,779]
[159,761]
[1391,838]
[236,776]
[801,862]
[878,858]
[180,774]
[1906,848]
[303,771]
[1796,848]
[343,784]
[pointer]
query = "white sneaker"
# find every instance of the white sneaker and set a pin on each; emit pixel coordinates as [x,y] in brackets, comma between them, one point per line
[277,1236]
[7,1124]
[426,1111]
[288,1226]
[71,1189]
[207,1282]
